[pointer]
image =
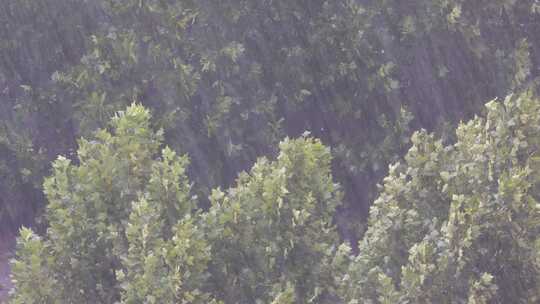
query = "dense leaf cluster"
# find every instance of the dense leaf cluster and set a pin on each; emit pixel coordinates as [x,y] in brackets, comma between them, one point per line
[459,223]
[452,224]
[227,80]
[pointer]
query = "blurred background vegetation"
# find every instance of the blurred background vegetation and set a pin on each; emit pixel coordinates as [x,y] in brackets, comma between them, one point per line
[227,80]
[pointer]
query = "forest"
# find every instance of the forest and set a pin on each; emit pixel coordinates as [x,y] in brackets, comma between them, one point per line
[270,151]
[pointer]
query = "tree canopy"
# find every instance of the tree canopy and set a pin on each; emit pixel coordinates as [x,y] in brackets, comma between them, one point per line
[228,80]
[262,151]
[456,223]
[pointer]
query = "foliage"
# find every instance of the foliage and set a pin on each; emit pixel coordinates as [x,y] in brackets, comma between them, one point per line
[452,224]
[273,235]
[227,80]
[458,223]
[37,38]
[124,227]
[118,219]
[31,273]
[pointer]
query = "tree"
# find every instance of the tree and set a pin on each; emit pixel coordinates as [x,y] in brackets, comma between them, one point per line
[458,223]
[453,223]
[123,227]
[228,80]
[118,218]
[273,235]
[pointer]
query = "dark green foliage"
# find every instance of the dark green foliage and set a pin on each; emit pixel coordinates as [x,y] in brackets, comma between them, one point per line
[227,80]
[37,38]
